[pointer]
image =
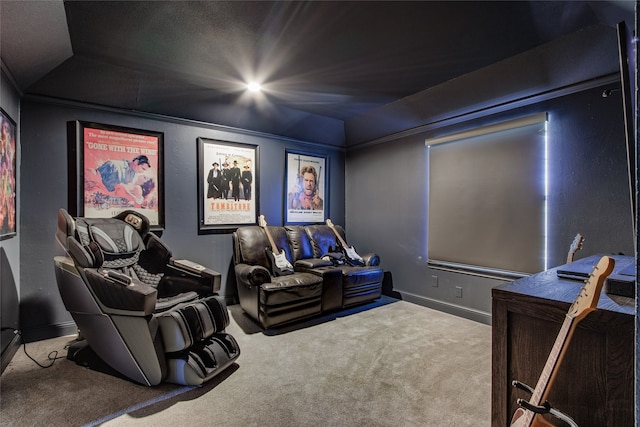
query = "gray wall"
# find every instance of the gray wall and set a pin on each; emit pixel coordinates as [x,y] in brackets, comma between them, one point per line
[10,248]
[386,185]
[44,190]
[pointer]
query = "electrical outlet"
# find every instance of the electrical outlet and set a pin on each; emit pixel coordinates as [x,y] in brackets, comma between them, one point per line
[434,281]
[458,291]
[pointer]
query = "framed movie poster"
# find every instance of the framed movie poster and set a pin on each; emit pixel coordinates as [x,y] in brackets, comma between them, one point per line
[306,188]
[113,169]
[228,185]
[8,181]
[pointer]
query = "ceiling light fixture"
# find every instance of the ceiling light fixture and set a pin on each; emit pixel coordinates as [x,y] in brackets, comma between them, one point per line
[254,87]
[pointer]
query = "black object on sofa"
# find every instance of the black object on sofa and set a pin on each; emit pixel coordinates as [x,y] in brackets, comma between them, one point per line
[146,315]
[317,286]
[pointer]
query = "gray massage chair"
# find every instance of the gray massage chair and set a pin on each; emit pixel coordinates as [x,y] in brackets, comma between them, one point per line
[141,313]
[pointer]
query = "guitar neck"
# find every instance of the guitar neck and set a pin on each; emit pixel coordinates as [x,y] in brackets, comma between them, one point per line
[274,247]
[551,367]
[338,236]
[586,302]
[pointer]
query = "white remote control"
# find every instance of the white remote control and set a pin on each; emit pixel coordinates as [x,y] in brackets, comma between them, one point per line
[189,265]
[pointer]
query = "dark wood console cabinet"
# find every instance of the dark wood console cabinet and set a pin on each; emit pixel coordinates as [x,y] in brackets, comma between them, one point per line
[595,382]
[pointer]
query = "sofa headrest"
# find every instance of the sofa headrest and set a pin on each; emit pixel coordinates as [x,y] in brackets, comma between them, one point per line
[299,241]
[251,242]
[323,239]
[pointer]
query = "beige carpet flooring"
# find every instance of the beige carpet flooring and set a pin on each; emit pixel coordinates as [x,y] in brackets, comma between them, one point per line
[390,363]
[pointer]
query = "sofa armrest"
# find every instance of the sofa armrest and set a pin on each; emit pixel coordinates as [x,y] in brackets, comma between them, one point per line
[252,275]
[372,260]
[310,263]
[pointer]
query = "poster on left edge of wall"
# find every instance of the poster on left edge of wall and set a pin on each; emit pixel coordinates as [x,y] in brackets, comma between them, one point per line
[8,181]
[113,169]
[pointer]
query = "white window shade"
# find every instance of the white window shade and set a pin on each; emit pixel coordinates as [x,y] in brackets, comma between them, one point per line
[487,191]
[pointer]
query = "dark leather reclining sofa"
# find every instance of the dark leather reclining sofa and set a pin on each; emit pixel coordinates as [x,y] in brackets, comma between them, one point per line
[317,285]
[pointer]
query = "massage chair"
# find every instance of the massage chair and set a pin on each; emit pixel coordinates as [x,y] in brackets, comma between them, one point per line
[141,314]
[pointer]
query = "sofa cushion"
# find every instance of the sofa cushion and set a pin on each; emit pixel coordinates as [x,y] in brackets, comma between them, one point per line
[287,289]
[353,277]
[290,298]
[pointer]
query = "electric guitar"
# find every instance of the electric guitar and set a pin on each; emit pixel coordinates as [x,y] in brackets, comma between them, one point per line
[529,413]
[280,265]
[349,252]
[576,245]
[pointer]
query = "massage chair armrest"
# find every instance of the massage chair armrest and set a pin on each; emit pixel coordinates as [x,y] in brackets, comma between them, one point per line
[372,259]
[184,275]
[122,294]
[252,275]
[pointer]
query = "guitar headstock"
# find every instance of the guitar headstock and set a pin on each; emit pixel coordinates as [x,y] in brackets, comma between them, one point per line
[590,294]
[576,245]
[262,222]
[329,223]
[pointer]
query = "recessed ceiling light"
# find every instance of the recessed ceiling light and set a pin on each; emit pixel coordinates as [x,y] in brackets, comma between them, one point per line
[254,87]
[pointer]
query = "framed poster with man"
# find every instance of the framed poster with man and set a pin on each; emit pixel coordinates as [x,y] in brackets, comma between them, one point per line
[306,188]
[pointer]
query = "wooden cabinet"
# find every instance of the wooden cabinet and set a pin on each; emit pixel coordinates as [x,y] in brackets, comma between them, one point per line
[595,382]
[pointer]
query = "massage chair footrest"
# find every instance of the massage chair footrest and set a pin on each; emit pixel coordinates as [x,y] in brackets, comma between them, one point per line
[202,361]
[187,324]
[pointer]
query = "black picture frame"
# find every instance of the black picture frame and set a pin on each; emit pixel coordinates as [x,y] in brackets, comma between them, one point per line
[115,168]
[301,207]
[222,205]
[8,177]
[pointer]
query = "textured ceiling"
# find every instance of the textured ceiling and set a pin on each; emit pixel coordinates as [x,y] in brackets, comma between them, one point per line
[333,59]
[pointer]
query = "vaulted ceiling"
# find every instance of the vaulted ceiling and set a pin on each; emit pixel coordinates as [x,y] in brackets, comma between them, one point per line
[332,59]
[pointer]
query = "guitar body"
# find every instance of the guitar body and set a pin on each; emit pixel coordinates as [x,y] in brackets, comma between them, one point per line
[351,256]
[280,265]
[519,418]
